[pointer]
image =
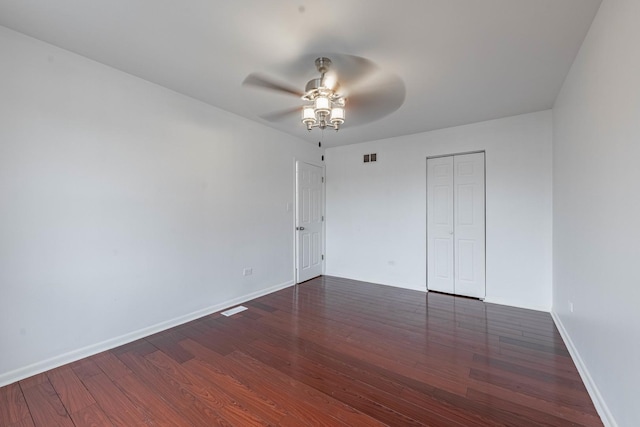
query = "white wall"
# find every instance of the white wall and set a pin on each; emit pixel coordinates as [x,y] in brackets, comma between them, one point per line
[376,212]
[126,207]
[597,210]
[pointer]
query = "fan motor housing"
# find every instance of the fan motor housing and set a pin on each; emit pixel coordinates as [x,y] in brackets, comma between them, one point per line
[315,87]
[323,64]
[313,84]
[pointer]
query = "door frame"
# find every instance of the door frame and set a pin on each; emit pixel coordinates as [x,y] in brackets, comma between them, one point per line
[427,209]
[295,215]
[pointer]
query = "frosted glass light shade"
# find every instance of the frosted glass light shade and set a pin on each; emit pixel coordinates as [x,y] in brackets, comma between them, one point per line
[308,115]
[322,105]
[337,115]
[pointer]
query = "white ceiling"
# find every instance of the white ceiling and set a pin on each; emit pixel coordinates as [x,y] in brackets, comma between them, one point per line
[461,61]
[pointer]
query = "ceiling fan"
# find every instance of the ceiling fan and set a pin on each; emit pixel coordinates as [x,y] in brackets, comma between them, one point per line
[349,91]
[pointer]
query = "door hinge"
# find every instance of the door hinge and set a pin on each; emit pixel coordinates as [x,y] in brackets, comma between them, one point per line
[323,179]
[322,257]
[322,218]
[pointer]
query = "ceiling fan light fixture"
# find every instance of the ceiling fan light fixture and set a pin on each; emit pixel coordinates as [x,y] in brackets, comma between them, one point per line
[322,104]
[325,106]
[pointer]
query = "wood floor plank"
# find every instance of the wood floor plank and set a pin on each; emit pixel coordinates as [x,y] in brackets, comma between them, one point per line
[521,414]
[34,380]
[85,368]
[91,416]
[140,347]
[426,396]
[13,407]
[143,396]
[187,395]
[550,393]
[25,422]
[265,382]
[313,398]
[366,398]
[45,406]
[560,351]
[110,365]
[204,390]
[441,373]
[288,387]
[492,365]
[210,338]
[570,415]
[226,384]
[330,351]
[167,342]
[115,404]
[70,389]
[262,306]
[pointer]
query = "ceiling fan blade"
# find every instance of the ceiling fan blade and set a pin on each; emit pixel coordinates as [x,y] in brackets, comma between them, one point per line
[348,70]
[375,101]
[257,80]
[277,116]
[351,69]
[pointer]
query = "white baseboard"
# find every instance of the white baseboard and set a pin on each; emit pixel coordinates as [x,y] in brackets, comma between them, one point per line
[510,303]
[603,410]
[56,361]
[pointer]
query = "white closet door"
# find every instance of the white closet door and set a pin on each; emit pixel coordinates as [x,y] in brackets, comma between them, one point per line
[456,225]
[469,225]
[440,269]
[309,209]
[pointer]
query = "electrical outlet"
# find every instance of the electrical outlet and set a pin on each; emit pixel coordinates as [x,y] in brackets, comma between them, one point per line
[247,272]
[570,306]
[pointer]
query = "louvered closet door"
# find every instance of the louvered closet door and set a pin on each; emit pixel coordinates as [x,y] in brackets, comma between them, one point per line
[456,224]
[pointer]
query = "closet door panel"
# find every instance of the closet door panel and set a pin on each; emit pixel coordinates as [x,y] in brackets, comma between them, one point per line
[469,225]
[440,267]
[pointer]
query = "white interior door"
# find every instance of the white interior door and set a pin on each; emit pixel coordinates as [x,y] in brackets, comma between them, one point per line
[309,221]
[456,224]
[440,224]
[469,226]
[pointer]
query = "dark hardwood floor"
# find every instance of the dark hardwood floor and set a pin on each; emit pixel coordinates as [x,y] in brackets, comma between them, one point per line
[328,352]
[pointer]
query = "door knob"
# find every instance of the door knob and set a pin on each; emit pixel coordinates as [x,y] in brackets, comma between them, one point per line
[300,228]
